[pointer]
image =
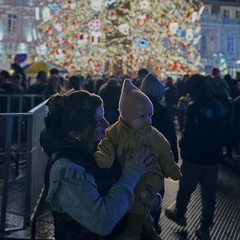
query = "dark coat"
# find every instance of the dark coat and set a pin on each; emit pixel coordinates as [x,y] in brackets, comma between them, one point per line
[203,135]
[162,121]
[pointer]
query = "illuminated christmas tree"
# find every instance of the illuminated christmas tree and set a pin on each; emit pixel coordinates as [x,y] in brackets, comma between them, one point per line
[98,35]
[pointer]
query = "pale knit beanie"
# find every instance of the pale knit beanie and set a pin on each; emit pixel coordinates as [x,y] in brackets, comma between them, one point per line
[133,102]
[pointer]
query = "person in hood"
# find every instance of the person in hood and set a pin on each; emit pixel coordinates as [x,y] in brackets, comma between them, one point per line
[87,202]
[133,130]
[162,121]
[201,151]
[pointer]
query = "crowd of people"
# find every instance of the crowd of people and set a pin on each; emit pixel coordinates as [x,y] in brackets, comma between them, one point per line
[109,127]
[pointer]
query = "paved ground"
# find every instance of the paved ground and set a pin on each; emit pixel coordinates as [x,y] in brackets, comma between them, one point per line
[227,216]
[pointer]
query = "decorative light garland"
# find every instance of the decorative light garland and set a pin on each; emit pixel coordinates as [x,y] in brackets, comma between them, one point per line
[96,36]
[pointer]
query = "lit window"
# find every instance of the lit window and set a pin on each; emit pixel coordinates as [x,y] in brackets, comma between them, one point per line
[17,2]
[226,13]
[206,11]
[26,2]
[230,44]
[204,43]
[12,19]
[238,14]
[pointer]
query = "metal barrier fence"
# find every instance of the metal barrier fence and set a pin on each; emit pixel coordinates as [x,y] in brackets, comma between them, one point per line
[23,165]
[19,103]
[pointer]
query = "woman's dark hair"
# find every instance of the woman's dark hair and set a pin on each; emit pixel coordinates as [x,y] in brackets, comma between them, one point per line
[71,111]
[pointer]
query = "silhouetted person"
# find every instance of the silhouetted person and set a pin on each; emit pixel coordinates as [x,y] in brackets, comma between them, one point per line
[89,84]
[37,88]
[55,71]
[53,86]
[17,69]
[110,93]
[218,86]
[74,83]
[5,88]
[232,83]
[142,73]
[98,84]
[170,97]
[201,150]
[162,121]
[16,80]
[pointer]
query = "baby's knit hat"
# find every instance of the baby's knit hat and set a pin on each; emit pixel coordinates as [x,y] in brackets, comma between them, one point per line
[133,102]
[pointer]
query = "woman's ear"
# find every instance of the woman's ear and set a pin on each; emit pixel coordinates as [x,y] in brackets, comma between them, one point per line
[77,135]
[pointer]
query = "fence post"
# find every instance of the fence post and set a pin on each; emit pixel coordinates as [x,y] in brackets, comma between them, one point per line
[9,129]
[35,163]
[27,215]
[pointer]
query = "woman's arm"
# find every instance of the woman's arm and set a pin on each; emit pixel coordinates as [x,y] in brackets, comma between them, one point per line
[79,197]
[73,191]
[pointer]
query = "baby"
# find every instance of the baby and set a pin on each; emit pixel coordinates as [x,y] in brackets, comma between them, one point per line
[132,130]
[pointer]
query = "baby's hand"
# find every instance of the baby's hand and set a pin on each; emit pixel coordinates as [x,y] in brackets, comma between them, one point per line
[152,202]
[141,162]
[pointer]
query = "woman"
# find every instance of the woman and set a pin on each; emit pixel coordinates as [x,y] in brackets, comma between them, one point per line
[53,86]
[86,201]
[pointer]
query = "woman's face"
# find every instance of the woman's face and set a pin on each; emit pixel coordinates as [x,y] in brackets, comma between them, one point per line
[96,134]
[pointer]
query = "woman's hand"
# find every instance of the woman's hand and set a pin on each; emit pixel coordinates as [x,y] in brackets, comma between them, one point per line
[141,162]
[153,202]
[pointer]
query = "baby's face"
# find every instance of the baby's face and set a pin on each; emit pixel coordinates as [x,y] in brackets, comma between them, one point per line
[141,122]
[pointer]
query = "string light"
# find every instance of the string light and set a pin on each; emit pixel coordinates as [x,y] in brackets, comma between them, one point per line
[96,36]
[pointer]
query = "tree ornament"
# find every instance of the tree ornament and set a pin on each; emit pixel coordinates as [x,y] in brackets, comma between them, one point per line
[120,34]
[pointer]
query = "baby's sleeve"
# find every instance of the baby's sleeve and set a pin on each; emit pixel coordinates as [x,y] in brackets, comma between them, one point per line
[166,161]
[105,154]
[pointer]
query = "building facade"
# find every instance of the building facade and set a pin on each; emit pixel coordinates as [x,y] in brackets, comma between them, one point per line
[219,44]
[16,28]
[220,36]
